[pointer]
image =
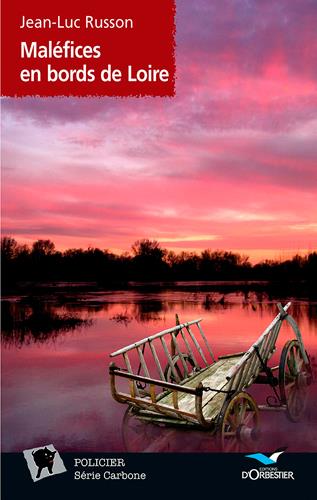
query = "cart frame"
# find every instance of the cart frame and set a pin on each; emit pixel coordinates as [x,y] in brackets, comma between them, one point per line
[210,396]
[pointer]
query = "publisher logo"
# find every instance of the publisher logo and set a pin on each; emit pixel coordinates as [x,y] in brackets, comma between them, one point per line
[44,462]
[269,471]
[264,459]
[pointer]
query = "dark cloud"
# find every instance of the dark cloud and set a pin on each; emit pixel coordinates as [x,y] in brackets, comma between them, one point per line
[236,36]
[246,33]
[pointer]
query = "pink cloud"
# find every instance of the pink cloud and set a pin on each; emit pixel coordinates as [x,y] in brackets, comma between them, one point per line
[228,163]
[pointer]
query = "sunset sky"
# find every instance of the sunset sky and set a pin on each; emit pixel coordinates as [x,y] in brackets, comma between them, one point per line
[229,163]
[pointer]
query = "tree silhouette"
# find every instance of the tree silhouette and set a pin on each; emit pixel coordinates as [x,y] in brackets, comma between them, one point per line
[8,248]
[43,247]
[148,248]
[148,261]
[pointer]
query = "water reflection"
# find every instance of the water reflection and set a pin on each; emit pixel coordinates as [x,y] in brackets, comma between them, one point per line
[145,436]
[39,320]
[56,355]
[34,321]
[123,318]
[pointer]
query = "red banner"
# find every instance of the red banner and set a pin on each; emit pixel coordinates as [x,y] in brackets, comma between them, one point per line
[92,48]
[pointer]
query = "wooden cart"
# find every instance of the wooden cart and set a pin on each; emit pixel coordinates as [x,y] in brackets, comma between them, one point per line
[174,378]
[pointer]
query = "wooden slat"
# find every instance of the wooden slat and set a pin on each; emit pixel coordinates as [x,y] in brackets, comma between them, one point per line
[152,393]
[224,356]
[257,365]
[263,346]
[275,334]
[236,383]
[192,336]
[268,345]
[143,363]
[172,340]
[175,399]
[235,368]
[152,337]
[240,378]
[169,359]
[189,349]
[206,341]
[157,361]
[129,368]
[132,388]
[211,401]
[252,366]
[213,376]
[160,383]
[164,409]
[248,370]
[244,382]
[272,408]
[212,410]
[181,357]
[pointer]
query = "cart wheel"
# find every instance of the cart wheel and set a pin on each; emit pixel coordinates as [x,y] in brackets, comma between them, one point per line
[179,368]
[294,378]
[239,423]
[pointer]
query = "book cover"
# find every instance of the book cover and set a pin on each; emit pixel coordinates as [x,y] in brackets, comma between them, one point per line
[158,247]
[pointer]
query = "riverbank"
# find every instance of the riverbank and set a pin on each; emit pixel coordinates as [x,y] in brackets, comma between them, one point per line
[304,289]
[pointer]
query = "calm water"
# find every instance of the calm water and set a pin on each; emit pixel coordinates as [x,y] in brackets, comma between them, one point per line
[55,381]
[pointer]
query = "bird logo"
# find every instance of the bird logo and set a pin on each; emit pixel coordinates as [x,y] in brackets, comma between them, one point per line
[264,459]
